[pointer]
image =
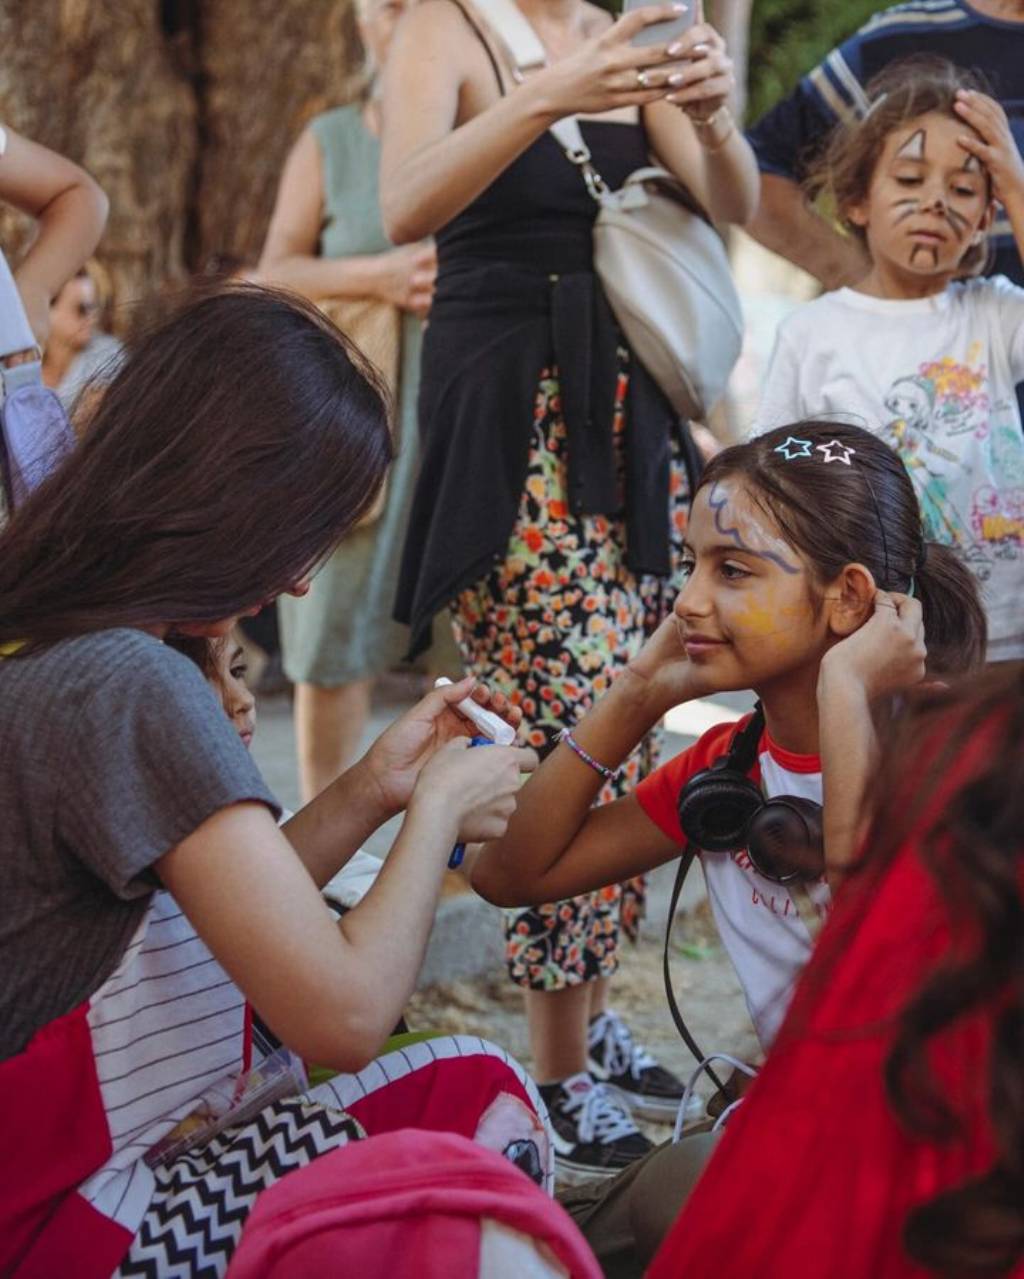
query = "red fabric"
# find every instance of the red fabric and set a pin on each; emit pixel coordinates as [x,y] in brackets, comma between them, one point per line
[54,1131]
[658,794]
[399,1204]
[78,1241]
[815,1175]
[448,1096]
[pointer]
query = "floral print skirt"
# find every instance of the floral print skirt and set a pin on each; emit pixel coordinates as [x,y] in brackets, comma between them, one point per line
[549,626]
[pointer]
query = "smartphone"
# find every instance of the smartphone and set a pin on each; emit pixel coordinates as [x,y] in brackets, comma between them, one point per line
[663,32]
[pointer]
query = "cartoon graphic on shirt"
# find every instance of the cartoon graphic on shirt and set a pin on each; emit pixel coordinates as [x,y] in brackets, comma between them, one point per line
[997,518]
[943,425]
[912,402]
[961,401]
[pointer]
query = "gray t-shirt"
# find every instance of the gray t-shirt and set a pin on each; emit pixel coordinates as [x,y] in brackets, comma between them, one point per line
[113,749]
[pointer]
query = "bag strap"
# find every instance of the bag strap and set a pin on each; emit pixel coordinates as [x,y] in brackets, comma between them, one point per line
[522,44]
[685,862]
[475,28]
[526,53]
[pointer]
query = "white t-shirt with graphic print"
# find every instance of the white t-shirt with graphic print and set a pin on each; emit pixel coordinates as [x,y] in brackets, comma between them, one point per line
[933,377]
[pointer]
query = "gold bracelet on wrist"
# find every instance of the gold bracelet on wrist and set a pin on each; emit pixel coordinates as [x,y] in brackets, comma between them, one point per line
[723,141]
[709,121]
[706,128]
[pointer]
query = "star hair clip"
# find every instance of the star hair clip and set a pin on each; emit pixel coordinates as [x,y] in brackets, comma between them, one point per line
[794,448]
[836,451]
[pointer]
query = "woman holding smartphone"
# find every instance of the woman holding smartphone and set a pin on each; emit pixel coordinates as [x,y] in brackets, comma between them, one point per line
[555,477]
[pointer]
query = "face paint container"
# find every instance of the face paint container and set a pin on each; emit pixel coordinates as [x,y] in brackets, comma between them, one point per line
[459,851]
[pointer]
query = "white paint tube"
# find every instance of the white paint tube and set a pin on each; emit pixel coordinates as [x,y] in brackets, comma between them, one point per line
[491,725]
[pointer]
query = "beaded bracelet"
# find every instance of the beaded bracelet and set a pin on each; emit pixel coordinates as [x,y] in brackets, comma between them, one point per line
[609,774]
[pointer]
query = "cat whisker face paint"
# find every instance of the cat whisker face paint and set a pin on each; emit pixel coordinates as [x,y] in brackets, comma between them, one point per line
[928,199]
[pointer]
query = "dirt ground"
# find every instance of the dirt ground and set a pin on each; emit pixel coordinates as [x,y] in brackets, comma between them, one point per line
[703,979]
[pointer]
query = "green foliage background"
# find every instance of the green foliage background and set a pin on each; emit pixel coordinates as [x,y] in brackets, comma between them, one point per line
[789,37]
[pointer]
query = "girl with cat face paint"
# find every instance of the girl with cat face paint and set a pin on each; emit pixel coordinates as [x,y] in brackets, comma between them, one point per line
[920,179]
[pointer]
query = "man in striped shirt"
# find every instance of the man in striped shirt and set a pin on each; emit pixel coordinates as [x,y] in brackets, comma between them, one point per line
[986,34]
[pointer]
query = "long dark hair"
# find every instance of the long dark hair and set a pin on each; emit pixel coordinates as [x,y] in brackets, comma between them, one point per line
[973,845]
[863,512]
[238,443]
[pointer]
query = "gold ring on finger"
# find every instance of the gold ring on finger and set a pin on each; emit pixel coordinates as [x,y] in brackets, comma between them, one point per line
[643,80]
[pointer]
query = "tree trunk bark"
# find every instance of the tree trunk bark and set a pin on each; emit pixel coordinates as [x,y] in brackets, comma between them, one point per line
[266,68]
[97,83]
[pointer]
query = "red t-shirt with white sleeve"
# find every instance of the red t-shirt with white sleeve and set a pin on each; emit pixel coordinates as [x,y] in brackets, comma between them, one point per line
[758,920]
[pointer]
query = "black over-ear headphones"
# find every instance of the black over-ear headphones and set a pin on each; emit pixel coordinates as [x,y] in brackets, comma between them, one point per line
[721,811]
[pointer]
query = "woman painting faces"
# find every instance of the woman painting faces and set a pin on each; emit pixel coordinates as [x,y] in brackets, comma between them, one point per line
[148,893]
[552,496]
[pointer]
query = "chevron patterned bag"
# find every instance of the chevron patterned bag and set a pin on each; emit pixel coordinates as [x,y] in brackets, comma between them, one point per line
[202,1199]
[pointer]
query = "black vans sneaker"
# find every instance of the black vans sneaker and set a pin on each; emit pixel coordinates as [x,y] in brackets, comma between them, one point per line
[619,1061]
[594,1135]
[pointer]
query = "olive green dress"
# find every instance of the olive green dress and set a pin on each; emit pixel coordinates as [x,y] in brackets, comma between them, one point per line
[342,630]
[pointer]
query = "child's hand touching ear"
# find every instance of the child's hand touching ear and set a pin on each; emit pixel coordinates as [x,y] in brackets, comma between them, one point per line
[887,654]
[996,147]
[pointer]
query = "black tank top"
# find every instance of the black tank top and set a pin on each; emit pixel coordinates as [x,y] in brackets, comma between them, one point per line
[538,212]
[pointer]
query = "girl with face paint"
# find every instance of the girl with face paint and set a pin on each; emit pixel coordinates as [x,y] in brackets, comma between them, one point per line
[807,580]
[919,180]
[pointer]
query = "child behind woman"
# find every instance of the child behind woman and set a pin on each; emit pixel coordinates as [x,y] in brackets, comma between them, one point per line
[224,663]
[925,355]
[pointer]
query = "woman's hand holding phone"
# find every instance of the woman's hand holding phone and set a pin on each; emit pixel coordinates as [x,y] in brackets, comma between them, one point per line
[706,83]
[610,71]
[706,79]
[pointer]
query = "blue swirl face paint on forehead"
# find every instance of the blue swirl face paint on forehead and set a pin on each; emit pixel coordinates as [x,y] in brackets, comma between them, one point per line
[719,504]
